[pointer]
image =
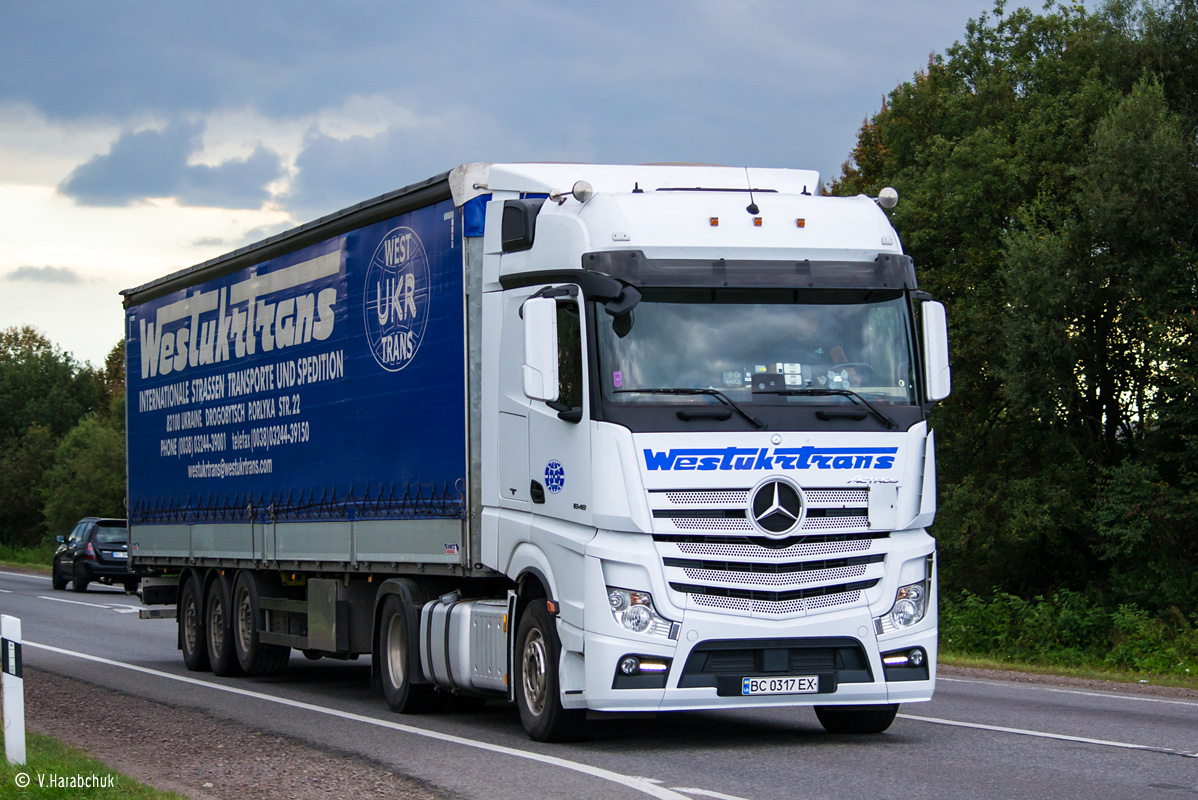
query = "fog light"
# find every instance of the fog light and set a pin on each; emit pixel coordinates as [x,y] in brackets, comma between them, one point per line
[916,657]
[630,665]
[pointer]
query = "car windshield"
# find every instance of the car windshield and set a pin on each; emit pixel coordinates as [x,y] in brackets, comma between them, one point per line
[111,536]
[762,347]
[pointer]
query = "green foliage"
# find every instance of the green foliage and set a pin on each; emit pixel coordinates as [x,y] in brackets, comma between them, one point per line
[45,756]
[88,477]
[46,398]
[1047,166]
[1069,629]
[25,462]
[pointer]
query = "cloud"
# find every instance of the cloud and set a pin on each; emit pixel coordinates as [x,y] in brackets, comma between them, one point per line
[63,275]
[152,163]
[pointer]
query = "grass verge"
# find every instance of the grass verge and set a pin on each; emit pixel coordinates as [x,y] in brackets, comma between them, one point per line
[56,770]
[971,661]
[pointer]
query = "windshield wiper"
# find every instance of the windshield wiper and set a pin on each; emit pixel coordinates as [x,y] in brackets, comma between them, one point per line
[716,393]
[849,393]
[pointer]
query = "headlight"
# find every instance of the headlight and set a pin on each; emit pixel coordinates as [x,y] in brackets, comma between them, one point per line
[634,612]
[910,606]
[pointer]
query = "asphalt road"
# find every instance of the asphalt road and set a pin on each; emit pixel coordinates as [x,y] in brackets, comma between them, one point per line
[976,739]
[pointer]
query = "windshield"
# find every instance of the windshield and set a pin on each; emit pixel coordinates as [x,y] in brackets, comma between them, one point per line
[762,348]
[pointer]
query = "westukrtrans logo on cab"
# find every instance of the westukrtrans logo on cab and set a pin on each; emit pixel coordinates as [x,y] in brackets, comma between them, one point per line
[708,459]
[397,297]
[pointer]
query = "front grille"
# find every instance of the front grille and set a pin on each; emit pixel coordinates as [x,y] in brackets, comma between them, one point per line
[726,510]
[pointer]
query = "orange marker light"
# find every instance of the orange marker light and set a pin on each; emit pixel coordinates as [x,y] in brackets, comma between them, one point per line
[756,222]
[715,222]
[800,223]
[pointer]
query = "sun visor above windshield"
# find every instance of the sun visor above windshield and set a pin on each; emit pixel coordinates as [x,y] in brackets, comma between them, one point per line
[887,271]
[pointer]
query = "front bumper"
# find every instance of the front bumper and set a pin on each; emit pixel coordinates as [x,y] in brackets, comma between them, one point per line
[845,684]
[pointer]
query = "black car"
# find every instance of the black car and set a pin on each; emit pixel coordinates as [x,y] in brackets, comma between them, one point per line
[96,550]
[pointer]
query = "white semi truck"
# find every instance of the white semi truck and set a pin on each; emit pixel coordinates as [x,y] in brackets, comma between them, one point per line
[589,438]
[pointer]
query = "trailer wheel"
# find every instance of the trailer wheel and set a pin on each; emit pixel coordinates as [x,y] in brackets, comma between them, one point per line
[218,624]
[395,667]
[846,719]
[191,627]
[254,656]
[538,650]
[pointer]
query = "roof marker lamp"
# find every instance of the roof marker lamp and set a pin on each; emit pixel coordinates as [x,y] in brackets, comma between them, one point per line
[910,606]
[634,611]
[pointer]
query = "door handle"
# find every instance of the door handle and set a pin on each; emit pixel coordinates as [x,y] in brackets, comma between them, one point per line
[537,492]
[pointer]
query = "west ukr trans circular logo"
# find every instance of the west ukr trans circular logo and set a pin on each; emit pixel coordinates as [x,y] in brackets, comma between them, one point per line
[398,292]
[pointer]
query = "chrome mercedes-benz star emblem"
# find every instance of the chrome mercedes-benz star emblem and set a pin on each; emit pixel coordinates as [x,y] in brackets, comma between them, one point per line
[777,507]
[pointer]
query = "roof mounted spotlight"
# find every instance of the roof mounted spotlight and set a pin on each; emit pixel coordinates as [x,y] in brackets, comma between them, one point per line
[887,198]
[582,191]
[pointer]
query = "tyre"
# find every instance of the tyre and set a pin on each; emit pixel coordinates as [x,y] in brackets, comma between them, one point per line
[864,719]
[79,582]
[538,650]
[192,635]
[56,580]
[218,625]
[254,656]
[395,642]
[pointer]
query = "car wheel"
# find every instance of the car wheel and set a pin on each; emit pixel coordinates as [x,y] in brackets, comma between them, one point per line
[537,691]
[395,663]
[190,612]
[847,719]
[254,656]
[56,579]
[218,625]
[80,581]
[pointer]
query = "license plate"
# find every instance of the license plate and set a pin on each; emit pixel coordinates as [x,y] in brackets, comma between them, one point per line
[793,684]
[119,554]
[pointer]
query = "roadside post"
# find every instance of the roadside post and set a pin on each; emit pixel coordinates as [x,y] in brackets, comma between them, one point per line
[13,686]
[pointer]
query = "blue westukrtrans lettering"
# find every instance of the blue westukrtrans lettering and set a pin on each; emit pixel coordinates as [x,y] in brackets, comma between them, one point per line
[710,459]
[254,314]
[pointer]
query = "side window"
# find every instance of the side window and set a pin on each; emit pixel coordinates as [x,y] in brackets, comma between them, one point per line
[77,534]
[569,355]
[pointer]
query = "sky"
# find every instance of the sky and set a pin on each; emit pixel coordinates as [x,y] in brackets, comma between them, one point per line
[139,138]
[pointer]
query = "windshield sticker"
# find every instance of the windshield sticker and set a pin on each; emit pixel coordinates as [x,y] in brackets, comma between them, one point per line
[751,458]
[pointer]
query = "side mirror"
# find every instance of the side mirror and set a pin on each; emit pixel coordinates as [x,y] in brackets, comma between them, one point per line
[60,538]
[540,349]
[935,356]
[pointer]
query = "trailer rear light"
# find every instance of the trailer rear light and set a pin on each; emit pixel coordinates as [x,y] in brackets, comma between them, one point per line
[800,223]
[756,222]
[715,222]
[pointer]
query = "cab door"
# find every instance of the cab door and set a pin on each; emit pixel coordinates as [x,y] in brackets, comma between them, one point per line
[559,429]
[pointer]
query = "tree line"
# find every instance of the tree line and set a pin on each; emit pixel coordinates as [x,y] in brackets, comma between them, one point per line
[62,438]
[1047,167]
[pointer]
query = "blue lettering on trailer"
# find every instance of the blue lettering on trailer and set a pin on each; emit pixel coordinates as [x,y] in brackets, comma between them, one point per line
[709,459]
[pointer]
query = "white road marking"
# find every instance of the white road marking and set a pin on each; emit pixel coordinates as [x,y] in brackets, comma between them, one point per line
[5,591]
[26,575]
[120,608]
[1042,688]
[1042,735]
[637,784]
[706,793]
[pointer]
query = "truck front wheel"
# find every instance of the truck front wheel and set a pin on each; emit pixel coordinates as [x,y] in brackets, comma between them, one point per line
[191,627]
[538,650]
[847,719]
[395,667]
